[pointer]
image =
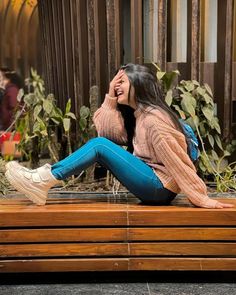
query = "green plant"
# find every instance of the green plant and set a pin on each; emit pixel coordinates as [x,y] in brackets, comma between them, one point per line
[195,105]
[40,120]
[84,125]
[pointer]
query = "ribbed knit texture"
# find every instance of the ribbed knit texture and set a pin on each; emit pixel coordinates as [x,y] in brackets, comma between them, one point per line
[160,145]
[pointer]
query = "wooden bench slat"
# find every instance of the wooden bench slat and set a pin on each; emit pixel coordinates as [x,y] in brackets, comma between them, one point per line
[61,265]
[116,234]
[86,214]
[182,249]
[117,264]
[181,233]
[70,249]
[63,235]
[203,264]
[180,217]
[63,218]
[118,249]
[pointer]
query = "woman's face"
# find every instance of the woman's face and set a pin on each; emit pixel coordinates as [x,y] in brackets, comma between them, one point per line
[122,91]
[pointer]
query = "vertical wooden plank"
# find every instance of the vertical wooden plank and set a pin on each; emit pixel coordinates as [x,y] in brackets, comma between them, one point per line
[118,33]
[56,27]
[44,32]
[136,31]
[223,71]
[34,60]
[100,31]
[162,34]
[193,37]
[56,47]
[91,42]
[67,50]
[83,95]
[113,12]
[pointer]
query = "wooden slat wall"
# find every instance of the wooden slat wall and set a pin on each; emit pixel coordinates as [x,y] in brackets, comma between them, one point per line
[83,46]
[193,45]
[162,33]
[223,72]
[136,31]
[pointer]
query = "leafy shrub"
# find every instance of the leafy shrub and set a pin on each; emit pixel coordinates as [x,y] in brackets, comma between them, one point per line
[194,104]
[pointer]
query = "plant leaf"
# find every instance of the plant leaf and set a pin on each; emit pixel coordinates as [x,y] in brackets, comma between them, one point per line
[47,106]
[188,103]
[160,75]
[84,112]
[37,110]
[178,109]
[66,124]
[208,112]
[196,122]
[201,91]
[208,89]
[20,95]
[218,141]
[202,129]
[169,97]
[208,99]
[71,115]
[68,106]
[215,124]
[211,140]
[83,123]
[214,155]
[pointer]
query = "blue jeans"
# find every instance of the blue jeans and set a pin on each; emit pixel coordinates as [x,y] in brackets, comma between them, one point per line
[132,172]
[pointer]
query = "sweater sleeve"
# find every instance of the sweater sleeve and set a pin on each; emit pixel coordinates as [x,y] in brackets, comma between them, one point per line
[181,168]
[109,121]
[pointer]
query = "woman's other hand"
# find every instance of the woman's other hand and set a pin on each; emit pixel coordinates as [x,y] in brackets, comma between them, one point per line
[213,204]
[220,205]
[115,82]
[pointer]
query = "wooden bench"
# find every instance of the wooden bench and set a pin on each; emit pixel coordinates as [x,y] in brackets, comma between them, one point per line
[114,234]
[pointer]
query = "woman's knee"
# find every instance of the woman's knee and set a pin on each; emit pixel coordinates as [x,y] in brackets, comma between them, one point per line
[100,140]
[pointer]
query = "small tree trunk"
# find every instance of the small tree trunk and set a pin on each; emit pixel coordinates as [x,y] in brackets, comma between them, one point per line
[34,155]
[93,99]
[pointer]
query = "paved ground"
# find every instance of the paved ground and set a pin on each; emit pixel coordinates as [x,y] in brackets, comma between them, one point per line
[142,283]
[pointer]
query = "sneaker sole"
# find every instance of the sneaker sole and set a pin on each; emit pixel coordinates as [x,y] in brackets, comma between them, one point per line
[30,194]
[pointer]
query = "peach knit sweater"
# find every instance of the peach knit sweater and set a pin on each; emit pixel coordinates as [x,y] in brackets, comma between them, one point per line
[157,142]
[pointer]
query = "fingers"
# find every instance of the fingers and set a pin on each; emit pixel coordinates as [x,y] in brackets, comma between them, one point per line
[118,77]
[220,205]
[115,83]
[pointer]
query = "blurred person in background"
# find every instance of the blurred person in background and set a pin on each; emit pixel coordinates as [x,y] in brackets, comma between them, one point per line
[10,84]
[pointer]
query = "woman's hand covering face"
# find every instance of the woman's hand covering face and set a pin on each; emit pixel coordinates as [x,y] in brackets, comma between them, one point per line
[115,83]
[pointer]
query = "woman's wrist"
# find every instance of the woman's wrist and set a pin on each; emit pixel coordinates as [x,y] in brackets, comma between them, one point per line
[110,102]
[111,96]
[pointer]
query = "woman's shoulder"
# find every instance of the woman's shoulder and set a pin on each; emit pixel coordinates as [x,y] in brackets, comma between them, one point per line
[157,117]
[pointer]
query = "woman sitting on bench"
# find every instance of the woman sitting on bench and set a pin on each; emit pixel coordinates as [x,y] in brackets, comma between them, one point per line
[160,166]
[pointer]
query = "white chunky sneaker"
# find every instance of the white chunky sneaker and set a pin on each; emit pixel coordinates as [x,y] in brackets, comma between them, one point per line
[35,184]
[15,165]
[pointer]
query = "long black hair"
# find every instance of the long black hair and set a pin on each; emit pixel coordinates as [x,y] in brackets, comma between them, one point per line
[12,76]
[148,93]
